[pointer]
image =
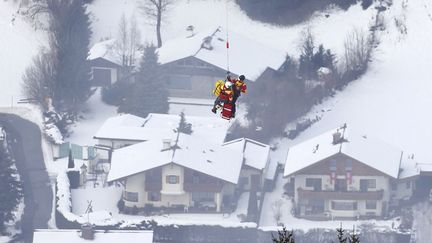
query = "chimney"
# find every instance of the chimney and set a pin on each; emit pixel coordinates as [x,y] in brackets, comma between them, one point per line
[337,137]
[166,144]
[87,232]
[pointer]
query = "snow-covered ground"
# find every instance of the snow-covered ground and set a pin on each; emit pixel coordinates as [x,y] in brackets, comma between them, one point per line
[330,31]
[19,43]
[93,117]
[392,100]
[277,202]
[105,200]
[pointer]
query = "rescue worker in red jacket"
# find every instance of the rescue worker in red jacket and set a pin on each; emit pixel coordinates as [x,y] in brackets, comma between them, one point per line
[239,87]
[225,94]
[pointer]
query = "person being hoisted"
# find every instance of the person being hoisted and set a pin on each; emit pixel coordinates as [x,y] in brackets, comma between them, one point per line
[239,87]
[224,92]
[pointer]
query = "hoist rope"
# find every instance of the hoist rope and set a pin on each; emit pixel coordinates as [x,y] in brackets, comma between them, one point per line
[227,37]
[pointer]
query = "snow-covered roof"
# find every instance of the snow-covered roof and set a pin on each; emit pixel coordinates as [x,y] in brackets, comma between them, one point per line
[124,126]
[364,148]
[411,168]
[255,154]
[74,236]
[202,150]
[106,50]
[192,151]
[259,56]
[160,126]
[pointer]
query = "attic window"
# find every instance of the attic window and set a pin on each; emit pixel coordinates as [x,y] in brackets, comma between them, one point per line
[209,161]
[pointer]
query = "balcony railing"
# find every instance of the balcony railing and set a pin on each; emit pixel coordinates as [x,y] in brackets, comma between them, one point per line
[340,195]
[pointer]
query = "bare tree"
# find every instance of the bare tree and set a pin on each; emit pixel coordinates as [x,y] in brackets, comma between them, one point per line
[123,40]
[128,41]
[155,9]
[358,47]
[134,40]
[39,78]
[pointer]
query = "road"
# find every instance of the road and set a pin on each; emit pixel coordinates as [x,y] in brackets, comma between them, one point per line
[24,138]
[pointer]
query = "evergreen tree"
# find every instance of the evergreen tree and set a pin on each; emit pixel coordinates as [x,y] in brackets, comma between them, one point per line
[354,238]
[69,41]
[341,235]
[10,188]
[149,93]
[284,236]
[184,127]
[306,67]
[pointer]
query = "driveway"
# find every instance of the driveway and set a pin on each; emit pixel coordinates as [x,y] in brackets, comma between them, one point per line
[24,138]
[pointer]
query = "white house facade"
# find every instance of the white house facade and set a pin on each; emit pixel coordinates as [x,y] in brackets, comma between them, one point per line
[161,166]
[342,174]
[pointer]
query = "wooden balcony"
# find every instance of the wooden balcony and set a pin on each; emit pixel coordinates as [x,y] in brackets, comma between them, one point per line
[338,195]
[203,187]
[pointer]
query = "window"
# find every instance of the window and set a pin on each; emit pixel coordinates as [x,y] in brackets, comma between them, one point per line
[179,82]
[130,196]
[172,179]
[394,186]
[315,183]
[154,196]
[333,165]
[348,165]
[371,204]
[366,184]
[344,205]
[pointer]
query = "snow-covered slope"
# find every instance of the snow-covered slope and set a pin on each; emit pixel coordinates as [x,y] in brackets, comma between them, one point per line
[393,100]
[330,31]
[19,42]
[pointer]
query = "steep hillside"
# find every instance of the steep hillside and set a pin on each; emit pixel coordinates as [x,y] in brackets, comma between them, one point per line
[19,42]
[330,26]
[393,100]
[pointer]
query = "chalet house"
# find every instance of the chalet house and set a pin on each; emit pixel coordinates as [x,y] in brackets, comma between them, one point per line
[162,167]
[106,68]
[344,174]
[193,63]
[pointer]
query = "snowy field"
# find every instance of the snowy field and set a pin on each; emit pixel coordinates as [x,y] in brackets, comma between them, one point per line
[19,42]
[105,200]
[330,31]
[392,100]
[276,201]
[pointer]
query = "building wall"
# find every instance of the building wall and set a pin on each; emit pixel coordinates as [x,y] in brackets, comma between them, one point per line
[192,78]
[171,194]
[402,190]
[172,170]
[246,175]
[112,143]
[382,183]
